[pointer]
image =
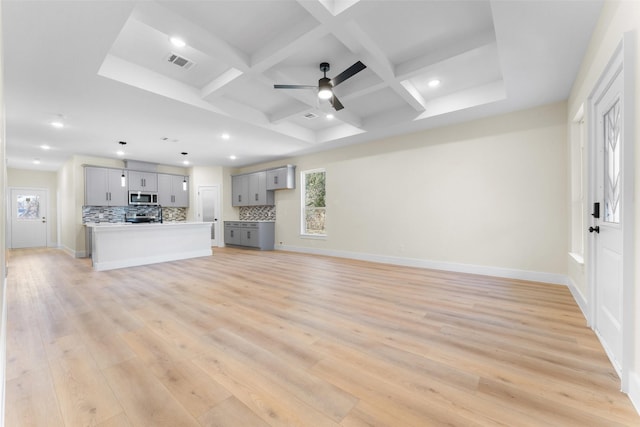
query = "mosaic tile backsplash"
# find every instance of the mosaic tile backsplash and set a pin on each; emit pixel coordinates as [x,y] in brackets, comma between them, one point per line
[117,213]
[257,213]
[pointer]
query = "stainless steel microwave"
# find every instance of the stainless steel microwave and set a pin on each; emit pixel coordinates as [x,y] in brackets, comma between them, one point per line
[143,198]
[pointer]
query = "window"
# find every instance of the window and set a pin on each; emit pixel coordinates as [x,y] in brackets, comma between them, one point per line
[313,202]
[28,208]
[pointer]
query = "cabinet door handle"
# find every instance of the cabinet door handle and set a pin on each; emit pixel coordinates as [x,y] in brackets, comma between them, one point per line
[248,234]
[106,196]
[231,233]
[239,197]
[275,179]
[256,197]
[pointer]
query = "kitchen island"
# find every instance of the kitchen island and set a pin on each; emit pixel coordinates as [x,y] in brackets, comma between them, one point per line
[126,245]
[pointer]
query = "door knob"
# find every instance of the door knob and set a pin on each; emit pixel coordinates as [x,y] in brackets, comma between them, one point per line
[596,229]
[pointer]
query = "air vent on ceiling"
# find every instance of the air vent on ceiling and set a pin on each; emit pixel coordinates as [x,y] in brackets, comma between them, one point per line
[310,116]
[180,61]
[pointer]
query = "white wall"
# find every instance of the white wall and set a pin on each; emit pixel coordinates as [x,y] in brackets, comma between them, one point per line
[201,176]
[617,18]
[486,196]
[3,282]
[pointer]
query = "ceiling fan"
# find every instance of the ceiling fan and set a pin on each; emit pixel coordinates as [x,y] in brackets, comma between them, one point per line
[326,85]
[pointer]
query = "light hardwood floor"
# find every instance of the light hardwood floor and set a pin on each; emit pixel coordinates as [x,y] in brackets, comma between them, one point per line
[248,338]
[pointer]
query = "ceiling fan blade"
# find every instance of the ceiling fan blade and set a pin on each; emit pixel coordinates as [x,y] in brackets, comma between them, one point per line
[294,87]
[349,72]
[335,103]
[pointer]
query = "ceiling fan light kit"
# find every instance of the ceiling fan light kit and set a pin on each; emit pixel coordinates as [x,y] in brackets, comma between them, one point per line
[324,88]
[326,85]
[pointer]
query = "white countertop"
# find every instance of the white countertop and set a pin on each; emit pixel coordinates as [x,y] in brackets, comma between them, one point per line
[144,224]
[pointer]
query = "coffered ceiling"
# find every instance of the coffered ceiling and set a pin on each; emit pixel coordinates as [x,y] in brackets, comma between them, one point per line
[103,68]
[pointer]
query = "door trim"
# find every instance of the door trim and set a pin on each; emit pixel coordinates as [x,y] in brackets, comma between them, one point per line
[621,62]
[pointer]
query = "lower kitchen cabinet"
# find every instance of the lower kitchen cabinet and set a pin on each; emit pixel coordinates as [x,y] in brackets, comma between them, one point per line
[252,234]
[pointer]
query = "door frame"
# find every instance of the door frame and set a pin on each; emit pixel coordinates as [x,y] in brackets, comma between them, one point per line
[216,225]
[9,216]
[621,62]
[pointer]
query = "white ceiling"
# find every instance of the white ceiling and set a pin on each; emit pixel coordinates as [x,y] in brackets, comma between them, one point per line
[102,67]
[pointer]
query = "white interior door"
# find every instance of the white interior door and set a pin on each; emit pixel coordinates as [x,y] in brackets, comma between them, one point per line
[606,231]
[28,217]
[209,203]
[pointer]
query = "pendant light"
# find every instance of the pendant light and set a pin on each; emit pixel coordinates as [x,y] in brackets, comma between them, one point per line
[123,178]
[184,178]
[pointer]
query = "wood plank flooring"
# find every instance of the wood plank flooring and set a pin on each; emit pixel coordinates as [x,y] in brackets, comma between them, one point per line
[248,338]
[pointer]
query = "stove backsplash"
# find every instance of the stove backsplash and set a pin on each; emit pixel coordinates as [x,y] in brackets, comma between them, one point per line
[117,213]
[257,213]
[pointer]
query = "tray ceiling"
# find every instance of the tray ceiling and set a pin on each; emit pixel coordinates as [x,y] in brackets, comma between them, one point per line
[103,68]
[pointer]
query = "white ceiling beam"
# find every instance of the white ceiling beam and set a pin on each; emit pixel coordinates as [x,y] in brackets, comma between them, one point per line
[373,57]
[219,82]
[298,38]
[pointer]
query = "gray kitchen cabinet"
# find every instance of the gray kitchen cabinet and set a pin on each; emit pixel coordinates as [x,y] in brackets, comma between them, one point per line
[251,190]
[258,194]
[143,181]
[252,234]
[171,192]
[103,187]
[283,178]
[240,190]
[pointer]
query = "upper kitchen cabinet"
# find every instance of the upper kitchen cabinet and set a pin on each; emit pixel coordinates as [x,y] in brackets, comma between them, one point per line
[143,181]
[240,190]
[171,191]
[283,178]
[103,187]
[258,194]
[251,190]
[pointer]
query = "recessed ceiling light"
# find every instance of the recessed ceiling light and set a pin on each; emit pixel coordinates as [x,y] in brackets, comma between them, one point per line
[232,157]
[225,136]
[330,116]
[36,161]
[120,153]
[57,124]
[45,147]
[185,162]
[177,41]
[434,83]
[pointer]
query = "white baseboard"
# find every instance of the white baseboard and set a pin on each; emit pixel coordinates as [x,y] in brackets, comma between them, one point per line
[534,276]
[3,350]
[634,390]
[579,299]
[73,253]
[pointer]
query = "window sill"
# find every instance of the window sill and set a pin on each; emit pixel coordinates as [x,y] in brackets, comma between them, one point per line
[314,236]
[577,258]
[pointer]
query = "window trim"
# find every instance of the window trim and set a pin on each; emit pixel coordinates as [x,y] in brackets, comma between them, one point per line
[303,189]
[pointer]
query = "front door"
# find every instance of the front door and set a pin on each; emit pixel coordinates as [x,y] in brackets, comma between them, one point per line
[209,197]
[607,212]
[28,218]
